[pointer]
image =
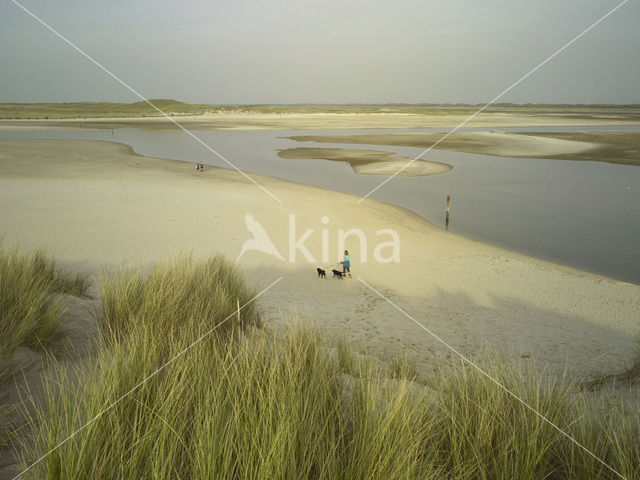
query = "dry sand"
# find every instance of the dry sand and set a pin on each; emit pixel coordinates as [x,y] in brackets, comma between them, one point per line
[322,121]
[370,162]
[97,205]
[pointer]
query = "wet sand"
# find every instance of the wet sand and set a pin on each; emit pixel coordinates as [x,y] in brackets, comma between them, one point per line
[621,147]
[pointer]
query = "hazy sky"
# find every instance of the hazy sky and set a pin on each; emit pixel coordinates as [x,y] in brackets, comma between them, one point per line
[321,51]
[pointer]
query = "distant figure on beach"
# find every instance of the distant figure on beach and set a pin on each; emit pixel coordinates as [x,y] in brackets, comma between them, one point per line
[260,241]
[346,263]
[200,166]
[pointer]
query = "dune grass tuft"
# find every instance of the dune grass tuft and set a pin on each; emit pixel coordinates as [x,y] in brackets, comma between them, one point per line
[30,316]
[179,298]
[248,407]
[62,281]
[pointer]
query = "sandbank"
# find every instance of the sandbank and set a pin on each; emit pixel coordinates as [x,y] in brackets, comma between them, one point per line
[370,162]
[620,146]
[615,147]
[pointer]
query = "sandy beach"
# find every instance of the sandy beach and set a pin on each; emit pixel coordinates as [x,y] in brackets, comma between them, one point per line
[97,206]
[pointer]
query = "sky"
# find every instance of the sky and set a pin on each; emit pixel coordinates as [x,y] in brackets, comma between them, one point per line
[328,51]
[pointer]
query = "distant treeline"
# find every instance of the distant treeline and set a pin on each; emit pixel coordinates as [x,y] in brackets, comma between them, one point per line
[176,108]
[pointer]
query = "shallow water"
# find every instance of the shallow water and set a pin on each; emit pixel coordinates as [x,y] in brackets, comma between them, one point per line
[580,214]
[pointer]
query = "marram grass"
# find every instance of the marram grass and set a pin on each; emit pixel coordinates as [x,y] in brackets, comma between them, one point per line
[176,300]
[31,313]
[249,403]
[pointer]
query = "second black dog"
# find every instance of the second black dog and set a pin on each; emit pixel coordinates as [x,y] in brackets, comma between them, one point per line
[337,273]
[322,273]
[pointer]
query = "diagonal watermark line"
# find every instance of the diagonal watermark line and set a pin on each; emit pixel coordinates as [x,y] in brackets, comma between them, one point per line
[139,95]
[469,362]
[524,77]
[142,382]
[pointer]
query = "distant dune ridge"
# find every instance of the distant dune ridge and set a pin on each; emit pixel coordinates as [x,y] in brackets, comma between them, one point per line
[175,107]
[350,116]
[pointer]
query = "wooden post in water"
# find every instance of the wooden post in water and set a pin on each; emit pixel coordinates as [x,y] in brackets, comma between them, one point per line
[447,214]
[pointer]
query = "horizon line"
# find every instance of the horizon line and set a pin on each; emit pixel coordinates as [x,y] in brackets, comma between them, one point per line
[334,104]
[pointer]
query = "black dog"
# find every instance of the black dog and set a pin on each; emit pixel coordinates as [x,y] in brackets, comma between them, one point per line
[322,273]
[337,273]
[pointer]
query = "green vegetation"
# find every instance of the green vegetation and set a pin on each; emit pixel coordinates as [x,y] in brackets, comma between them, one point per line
[246,402]
[97,109]
[30,316]
[437,109]
[177,297]
[173,107]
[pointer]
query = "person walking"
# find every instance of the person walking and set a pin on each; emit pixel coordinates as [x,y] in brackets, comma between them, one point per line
[346,263]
